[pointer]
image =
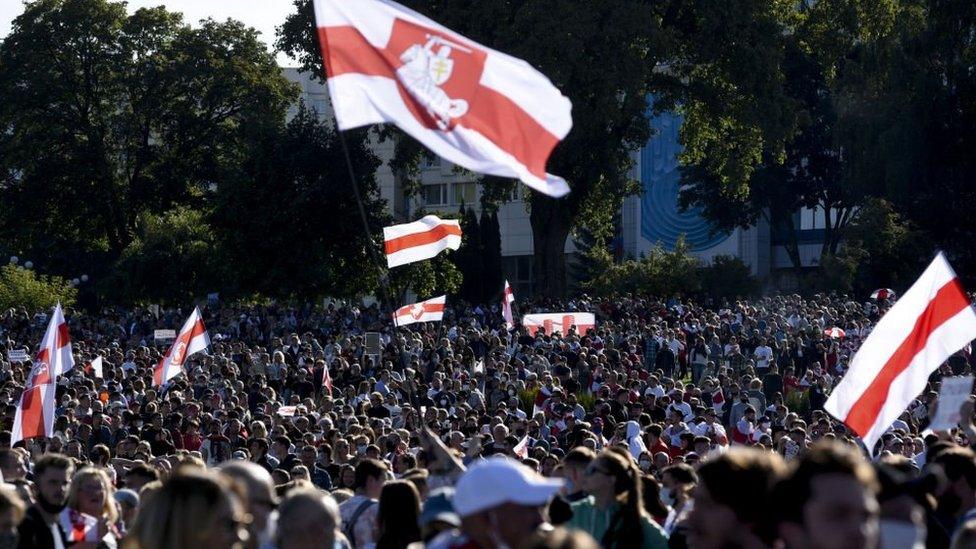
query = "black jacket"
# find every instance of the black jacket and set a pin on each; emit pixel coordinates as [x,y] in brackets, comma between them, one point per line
[35,533]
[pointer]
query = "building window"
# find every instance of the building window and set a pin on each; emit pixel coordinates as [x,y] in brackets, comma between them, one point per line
[430,162]
[465,193]
[434,195]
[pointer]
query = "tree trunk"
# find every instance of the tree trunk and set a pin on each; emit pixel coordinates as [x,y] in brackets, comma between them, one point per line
[550,229]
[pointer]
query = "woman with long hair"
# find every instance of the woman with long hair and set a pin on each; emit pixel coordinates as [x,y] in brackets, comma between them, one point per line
[193,508]
[92,494]
[613,513]
[398,517]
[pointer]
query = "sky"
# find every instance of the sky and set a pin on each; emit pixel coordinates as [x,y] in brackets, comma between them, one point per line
[263,15]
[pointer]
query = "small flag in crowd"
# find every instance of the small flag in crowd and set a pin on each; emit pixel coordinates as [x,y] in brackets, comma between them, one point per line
[431,310]
[718,400]
[835,333]
[522,448]
[507,302]
[327,378]
[883,293]
[476,107]
[35,411]
[420,240]
[96,367]
[192,339]
[930,322]
[77,526]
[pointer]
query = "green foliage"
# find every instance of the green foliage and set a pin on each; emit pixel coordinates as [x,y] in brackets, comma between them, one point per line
[491,256]
[426,279]
[108,117]
[468,257]
[288,220]
[20,287]
[728,277]
[660,272]
[172,259]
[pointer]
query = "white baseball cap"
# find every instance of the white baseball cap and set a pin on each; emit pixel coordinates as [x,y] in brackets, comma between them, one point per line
[498,480]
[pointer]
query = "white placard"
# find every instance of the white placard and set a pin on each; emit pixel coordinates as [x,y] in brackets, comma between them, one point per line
[164,334]
[954,391]
[17,355]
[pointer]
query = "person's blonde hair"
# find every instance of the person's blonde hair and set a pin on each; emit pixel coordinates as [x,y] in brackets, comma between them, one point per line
[183,511]
[109,511]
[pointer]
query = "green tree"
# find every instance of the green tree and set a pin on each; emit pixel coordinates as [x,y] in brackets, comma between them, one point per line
[172,259]
[109,116]
[727,277]
[603,58]
[287,217]
[491,256]
[20,287]
[468,257]
[660,273]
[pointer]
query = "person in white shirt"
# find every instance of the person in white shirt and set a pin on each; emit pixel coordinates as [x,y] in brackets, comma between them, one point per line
[763,355]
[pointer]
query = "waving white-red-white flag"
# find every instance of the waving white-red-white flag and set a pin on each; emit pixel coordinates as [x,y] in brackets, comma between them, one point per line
[507,300]
[192,339]
[478,108]
[327,378]
[35,411]
[431,310]
[420,240]
[931,321]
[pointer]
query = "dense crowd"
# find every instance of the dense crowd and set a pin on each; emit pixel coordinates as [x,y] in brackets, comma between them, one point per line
[669,424]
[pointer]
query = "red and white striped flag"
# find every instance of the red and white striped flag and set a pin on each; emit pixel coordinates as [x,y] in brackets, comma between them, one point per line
[35,411]
[931,321]
[327,378]
[507,301]
[718,400]
[431,310]
[78,526]
[96,367]
[476,107]
[420,240]
[521,449]
[192,339]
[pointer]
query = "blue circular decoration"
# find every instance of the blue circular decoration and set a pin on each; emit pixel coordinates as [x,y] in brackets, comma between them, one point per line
[661,220]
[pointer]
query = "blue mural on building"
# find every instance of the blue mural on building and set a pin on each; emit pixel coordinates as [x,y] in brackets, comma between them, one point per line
[661,220]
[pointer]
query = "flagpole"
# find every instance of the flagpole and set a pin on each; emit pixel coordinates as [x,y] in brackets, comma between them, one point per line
[384,282]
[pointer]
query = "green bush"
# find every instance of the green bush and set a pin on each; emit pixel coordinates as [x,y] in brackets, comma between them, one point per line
[660,272]
[20,287]
[728,277]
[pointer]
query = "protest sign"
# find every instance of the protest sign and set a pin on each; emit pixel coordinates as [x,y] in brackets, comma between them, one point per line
[954,391]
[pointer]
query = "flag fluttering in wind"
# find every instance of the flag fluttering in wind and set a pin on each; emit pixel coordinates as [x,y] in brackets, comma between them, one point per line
[835,333]
[327,378]
[420,240]
[35,411]
[476,107]
[191,339]
[882,293]
[507,301]
[930,322]
[96,367]
[431,310]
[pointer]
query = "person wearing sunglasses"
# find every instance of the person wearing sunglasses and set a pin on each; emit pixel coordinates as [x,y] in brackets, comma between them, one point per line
[613,513]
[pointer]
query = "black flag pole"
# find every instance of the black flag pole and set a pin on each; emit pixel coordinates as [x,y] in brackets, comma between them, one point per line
[385,294]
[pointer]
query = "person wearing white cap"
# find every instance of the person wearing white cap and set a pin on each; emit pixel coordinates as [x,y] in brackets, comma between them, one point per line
[500,503]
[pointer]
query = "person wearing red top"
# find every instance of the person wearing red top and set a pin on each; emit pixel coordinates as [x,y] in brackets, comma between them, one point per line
[191,439]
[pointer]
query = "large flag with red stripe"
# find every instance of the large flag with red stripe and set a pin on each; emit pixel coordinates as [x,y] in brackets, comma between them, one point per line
[476,107]
[431,310]
[507,301]
[192,339]
[931,321]
[35,411]
[420,240]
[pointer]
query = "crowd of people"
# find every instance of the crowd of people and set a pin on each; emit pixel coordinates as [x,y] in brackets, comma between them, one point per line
[669,424]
